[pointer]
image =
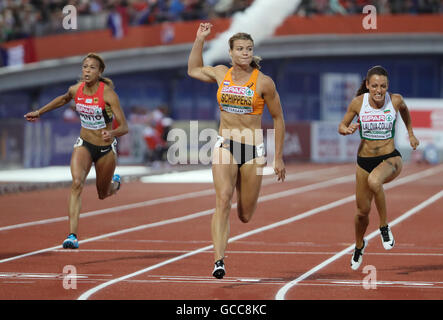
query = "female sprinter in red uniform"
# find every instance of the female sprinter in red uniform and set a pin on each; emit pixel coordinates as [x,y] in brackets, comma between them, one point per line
[378,161]
[239,152]
[96,103]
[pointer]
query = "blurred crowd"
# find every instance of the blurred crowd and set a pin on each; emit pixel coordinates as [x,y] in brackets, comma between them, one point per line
[155,124]
[309,7]
[24,18]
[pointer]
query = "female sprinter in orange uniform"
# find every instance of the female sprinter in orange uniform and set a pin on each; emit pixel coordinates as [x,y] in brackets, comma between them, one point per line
[239,152]
[96,103]
[378,161]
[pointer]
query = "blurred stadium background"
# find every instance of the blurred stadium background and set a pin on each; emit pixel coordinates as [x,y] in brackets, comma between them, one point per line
[317,56]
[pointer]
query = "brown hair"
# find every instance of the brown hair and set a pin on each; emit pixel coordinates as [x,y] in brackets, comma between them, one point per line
[102,67]
[378,70]
[255,63]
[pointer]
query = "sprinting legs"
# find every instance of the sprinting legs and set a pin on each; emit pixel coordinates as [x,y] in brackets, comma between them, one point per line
[81,163]
[248,189]
[104,169]
[228,177]
[370,186]
[383,173]
[225,177]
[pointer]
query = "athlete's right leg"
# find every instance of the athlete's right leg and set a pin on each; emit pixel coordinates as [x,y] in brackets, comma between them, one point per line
[363,195]
[81,163]
[225,178]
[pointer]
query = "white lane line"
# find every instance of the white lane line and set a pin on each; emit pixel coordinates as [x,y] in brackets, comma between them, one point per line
[190,195]
[282,292]
[308,213]
[274,196]
[246,252]
[115,209]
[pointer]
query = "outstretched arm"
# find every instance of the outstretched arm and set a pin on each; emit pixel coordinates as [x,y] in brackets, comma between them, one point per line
[54,104]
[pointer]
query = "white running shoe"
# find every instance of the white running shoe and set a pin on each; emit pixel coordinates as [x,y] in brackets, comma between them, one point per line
[219,269]
[357,256]
[387,238]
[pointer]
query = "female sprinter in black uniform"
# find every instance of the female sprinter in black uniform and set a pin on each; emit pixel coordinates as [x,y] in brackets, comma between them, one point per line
[239,153]
[378,161]
[97,104]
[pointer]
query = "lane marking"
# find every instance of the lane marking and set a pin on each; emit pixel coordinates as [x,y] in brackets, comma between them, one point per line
[308,213]
[11,278]
[245,252]
[282,292]
[195,215]
[190,195]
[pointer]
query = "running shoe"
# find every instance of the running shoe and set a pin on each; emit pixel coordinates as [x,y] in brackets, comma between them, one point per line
[357,256]
[117,179]
[387,238]
[219,269]
[71,242]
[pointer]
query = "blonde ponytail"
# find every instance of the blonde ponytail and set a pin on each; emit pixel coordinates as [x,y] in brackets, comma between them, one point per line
[255,63]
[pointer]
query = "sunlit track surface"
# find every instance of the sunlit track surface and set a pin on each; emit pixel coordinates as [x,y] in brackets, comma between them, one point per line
[152,241]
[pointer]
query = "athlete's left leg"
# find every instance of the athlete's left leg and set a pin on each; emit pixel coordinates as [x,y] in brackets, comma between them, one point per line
[248,188]
[104,169]
[385,172]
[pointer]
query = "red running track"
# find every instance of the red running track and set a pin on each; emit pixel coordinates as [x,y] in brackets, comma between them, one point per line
[152,242]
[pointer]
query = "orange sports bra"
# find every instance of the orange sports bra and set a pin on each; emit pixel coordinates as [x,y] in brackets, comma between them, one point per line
[240,99]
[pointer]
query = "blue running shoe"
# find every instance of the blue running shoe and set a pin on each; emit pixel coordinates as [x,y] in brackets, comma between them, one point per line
[117,179]
[71,242]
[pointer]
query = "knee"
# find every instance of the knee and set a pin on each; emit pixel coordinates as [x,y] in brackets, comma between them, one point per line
[361,216]
[245,218]
[102,195]
[77,185]
[361,220]
[245,214]
[224,200]
[374,184]
[362,213]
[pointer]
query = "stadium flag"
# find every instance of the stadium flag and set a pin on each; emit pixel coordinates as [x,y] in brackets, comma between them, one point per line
[118,24]
[17,53]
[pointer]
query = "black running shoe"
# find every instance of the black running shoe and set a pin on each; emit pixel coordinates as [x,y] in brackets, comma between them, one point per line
[219,269]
